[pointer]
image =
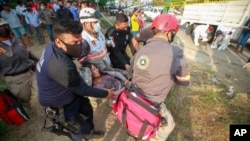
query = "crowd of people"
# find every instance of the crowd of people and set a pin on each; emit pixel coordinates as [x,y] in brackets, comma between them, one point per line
[28,17]
[75,33]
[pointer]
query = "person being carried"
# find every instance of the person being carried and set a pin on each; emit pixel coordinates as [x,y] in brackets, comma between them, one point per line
[155,80]
[106,80]
[60,85]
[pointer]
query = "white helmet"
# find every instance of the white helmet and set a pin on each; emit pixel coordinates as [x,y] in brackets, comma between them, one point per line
[87,15]
[2,21]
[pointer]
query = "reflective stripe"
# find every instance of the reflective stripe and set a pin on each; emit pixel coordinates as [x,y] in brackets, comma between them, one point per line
[183,78]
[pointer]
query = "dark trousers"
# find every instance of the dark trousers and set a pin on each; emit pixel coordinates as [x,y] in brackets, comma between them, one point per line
[81,112]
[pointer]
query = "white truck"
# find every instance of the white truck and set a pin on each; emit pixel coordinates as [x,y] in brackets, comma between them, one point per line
[230,15]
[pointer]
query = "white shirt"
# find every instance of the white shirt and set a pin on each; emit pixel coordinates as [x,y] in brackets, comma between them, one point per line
[96,44]
[20,9]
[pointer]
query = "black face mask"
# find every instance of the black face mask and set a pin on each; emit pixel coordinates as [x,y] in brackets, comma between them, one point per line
[77,50]
[122,32]
[5,32]
[61,6]
[172,37]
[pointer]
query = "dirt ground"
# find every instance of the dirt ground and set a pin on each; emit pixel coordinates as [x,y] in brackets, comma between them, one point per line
[225,65]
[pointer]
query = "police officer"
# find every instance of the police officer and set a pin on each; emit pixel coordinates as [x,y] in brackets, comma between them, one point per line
[157,66]
[118,37]
[59,83]
[16,65]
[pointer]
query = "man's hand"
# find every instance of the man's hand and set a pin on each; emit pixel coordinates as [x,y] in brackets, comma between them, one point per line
[110,93]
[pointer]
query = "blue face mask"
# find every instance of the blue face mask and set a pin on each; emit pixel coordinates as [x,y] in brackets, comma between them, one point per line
[97,27]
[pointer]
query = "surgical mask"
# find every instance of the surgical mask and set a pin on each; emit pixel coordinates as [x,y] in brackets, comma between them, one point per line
[77,50]
[5,32]
[42,7]
[97,27]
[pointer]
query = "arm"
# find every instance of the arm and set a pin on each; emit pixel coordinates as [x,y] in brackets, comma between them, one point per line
[182,74]
[70,78]
[135,43]
[119,56]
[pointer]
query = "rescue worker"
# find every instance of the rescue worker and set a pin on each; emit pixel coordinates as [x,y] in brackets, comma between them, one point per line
[155,79]
[59,84]
[16,64]
[92,33]
[118,37]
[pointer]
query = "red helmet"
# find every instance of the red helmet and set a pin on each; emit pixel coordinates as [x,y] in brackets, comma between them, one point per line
[165,22]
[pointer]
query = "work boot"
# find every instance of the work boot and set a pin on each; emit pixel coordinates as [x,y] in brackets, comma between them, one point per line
[98,134]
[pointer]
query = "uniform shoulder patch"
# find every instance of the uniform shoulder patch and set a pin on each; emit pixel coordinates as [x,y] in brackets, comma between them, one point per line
[2,50]
[93,42]
[143,62]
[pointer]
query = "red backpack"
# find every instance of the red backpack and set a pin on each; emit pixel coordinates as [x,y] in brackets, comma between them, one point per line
[11,110]
[138,115]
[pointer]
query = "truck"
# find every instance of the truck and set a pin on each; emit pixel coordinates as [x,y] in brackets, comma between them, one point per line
[223,15]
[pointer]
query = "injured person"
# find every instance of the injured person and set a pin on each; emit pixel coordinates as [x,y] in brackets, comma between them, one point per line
[221,39]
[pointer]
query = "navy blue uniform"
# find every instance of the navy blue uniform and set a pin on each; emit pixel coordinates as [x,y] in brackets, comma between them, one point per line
[118,55]
[60,85]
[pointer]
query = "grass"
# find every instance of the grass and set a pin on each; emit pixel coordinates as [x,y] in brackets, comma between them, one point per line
[203,111]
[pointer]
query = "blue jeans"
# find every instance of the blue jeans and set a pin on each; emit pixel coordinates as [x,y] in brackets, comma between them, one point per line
[243,40]
[49,28]
[134,33]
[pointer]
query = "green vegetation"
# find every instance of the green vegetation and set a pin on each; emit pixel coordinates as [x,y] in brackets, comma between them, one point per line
[203,111]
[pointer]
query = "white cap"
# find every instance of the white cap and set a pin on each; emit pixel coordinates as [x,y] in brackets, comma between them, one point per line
[87,15]
[2,21]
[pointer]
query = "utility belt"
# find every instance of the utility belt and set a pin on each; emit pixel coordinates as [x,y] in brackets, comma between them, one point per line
[18,73]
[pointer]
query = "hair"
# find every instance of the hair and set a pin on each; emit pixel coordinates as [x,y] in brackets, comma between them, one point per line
[88,65]
[121,18]
[135,9]
[85,2]
[19,2]
[155,31]
[67,26]
[44,3]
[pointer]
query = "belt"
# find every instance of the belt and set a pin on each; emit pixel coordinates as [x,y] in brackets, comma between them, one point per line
[17,73]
